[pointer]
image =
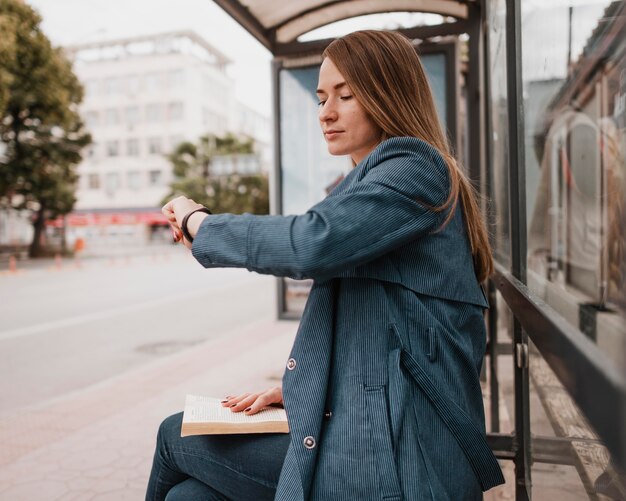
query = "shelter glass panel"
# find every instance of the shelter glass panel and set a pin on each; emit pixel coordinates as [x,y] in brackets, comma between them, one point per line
[504,400]
[307,171]
[569,459]
[435,67]
[574,78]
[499,174]
[499,398]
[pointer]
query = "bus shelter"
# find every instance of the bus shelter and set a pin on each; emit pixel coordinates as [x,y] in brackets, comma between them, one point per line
[533,99]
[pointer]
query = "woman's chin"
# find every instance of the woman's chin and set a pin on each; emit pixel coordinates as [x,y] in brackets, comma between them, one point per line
[335,151]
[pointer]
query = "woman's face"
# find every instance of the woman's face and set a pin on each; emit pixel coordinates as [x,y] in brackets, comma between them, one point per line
[348,130]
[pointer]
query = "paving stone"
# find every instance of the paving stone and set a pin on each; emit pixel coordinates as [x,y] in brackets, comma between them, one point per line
[98,443]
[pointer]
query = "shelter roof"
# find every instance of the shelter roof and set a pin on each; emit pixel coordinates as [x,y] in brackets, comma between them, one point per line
[278,23]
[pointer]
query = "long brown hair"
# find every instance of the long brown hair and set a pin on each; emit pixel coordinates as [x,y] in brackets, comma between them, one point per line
[387,78]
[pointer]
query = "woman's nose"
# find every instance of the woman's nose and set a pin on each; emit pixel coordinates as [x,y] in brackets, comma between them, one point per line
[327,113]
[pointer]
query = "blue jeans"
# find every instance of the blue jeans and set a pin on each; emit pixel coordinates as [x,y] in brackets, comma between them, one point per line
[215,467]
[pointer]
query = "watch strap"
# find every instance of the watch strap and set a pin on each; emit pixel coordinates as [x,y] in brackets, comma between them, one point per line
[183,224]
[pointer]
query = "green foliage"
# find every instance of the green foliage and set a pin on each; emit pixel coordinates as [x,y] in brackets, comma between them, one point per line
[40,127]
[7,54]
[234,193]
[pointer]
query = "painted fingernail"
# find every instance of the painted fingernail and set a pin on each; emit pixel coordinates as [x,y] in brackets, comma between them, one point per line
[233,405]
[223,401]
[248,409]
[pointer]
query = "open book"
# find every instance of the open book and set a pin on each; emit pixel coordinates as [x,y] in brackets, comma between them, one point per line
[206,416]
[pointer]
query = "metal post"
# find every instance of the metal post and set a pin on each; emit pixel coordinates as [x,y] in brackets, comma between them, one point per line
[517,197]
[276,198]
[475,129]
[486,188]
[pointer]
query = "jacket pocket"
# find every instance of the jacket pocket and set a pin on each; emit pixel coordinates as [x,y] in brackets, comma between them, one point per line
[433,342]
[381,442]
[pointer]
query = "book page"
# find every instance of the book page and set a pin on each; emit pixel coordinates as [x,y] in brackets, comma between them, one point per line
[209,410]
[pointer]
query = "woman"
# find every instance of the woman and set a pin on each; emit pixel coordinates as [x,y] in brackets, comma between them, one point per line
[382,387]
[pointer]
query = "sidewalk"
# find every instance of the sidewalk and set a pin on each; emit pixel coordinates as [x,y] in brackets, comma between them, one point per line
[97,444]
[111,256]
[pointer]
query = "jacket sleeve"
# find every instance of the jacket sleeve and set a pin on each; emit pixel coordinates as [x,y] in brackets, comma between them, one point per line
[377,214]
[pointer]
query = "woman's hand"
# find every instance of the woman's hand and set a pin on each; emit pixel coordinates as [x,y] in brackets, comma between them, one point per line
[251,403]
[175,210]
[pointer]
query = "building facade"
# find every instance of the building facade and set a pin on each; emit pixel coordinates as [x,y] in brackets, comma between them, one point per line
[144,96]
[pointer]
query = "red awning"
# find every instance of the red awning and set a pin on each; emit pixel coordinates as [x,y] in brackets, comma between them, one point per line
[109,218]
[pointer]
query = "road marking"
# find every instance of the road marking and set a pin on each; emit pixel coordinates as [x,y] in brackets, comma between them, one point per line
[68,322]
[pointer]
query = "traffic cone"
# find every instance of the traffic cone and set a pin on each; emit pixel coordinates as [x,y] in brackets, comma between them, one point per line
[12,264]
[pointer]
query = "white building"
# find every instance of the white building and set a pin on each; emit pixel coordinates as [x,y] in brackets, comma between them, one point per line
[143,96]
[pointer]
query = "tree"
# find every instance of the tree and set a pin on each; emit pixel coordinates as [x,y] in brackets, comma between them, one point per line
[7,49]
[40,125]
[234,193]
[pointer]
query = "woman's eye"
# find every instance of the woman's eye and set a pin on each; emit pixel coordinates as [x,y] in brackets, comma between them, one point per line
[345,98]
[321,103]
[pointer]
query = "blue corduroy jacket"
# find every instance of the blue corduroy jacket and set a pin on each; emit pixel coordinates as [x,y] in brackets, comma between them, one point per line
[382,387]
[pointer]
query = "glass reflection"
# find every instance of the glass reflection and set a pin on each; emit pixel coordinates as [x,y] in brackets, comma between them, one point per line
[308,171]
[574,93]
[500,135]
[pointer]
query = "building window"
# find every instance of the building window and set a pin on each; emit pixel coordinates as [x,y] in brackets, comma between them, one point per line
[154,81]
[91,88]
[111,117]
[154,146]
[154,177]
[93,181]
[134,85]
[132,147]
[113,148]
[92,118]
[132,115]
[134,180]
[175,111]
[176,78]
[154,112]
[112,182]
[92,150]
[110,86]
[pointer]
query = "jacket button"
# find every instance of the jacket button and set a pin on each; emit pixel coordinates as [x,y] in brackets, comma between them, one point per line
[291,364]
[309,442]
[327,415]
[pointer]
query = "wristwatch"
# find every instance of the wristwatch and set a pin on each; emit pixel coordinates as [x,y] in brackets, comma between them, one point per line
[183,225]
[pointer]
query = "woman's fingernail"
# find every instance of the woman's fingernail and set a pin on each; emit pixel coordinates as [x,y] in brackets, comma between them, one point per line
[233,405]
[223,401]
[248,409]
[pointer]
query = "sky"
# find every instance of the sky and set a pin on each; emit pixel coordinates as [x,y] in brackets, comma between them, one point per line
[68,22]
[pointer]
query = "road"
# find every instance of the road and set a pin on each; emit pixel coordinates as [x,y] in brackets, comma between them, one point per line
[64,329]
